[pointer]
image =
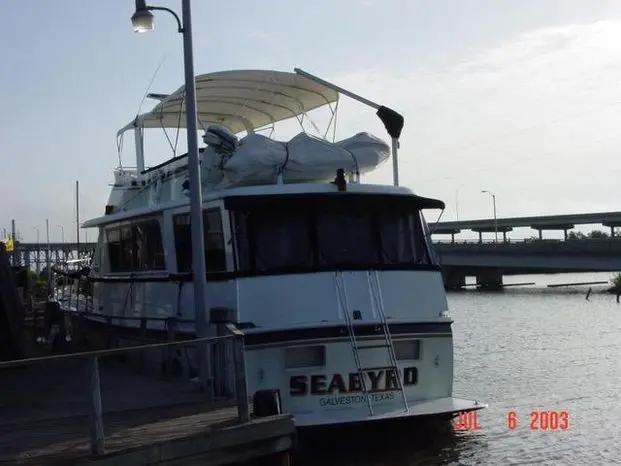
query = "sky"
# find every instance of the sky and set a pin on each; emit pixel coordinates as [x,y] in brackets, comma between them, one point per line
[521,98]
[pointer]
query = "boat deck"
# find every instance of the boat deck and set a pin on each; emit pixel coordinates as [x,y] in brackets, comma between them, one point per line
[44,411]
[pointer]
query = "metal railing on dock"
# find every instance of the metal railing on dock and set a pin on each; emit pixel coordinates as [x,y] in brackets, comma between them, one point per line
[93,387]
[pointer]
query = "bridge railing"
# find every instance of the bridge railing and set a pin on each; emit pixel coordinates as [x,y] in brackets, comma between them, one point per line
[590,246]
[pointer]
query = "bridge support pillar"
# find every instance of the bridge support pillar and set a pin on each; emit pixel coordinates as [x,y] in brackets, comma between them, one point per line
[489,279]
[612,226]
[454,278]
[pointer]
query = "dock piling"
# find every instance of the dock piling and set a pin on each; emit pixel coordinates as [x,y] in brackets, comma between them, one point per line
[241,389]
[96,415]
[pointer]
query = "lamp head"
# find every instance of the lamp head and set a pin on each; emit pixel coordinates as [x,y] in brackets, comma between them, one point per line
[142,19]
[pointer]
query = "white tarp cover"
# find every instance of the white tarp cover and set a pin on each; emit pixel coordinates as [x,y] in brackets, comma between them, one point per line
[259,159]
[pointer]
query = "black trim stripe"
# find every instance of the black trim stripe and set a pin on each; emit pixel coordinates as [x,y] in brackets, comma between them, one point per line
[256,337]
[186,277]
[298,335]
[381,199]
[136,333]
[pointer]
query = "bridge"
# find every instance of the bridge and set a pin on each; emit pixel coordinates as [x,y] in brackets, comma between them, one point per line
[489,261]
[37,256]
[541,223]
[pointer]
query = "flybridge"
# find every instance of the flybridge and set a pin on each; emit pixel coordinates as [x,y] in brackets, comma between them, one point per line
[247,100]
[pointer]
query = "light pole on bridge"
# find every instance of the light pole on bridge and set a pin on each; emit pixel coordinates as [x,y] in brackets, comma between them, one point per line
[495,219]
[48,256]
[38,242]
[62,233]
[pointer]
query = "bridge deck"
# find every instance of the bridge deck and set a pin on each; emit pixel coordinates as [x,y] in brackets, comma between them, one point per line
[539,221]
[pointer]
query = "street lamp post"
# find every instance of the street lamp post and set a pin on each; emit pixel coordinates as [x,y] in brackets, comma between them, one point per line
[48,256]
[495,219]
[142,21]
[457,205]
[38,249]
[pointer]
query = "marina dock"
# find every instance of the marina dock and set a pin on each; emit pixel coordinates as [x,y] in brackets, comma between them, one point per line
[45,420]
[75,406]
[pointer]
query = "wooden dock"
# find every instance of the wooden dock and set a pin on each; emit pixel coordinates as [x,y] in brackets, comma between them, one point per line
[45,420]
[85,407]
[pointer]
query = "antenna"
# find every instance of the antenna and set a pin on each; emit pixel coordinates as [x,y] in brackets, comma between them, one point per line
[138,131]
[146,92]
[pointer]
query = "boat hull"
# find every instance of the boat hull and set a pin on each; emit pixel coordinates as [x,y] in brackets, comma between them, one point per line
[348,409]
[438,410]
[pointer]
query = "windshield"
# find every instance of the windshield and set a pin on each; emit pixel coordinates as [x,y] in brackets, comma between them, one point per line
[321,234]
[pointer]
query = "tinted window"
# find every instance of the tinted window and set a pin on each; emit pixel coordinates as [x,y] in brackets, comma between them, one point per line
[324,235]
[402,240]
[136,247]
[282,240]
[345,238]
[215,255]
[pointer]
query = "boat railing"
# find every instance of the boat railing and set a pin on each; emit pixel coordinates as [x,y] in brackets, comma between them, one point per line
[72,308]
[72,287]
[125,175]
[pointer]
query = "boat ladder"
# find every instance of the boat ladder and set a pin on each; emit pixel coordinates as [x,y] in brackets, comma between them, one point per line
[377,303]
[343,305]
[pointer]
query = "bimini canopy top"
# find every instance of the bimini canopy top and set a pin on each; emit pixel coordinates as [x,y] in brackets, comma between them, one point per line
[240,100]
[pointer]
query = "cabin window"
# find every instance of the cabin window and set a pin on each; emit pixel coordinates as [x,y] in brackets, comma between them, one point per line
[400,238]
[329,234]
[214,241]
[282,240]
[345,238]
[136,247]
[149,246]
[116,256]
[215,253]
[244,258]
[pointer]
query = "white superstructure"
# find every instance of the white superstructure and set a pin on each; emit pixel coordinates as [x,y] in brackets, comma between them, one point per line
[333,281]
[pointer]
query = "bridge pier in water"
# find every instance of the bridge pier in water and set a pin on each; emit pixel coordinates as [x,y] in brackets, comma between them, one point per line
[454,278]
[489,279]
[486,278]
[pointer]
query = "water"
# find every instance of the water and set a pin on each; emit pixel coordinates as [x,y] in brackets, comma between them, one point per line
[526,349]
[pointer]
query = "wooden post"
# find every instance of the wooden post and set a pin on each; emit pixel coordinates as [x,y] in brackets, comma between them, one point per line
[96,416]
[108,332]
[84,330]
[241,388]
[142,357]
[77,292]
[170,351]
